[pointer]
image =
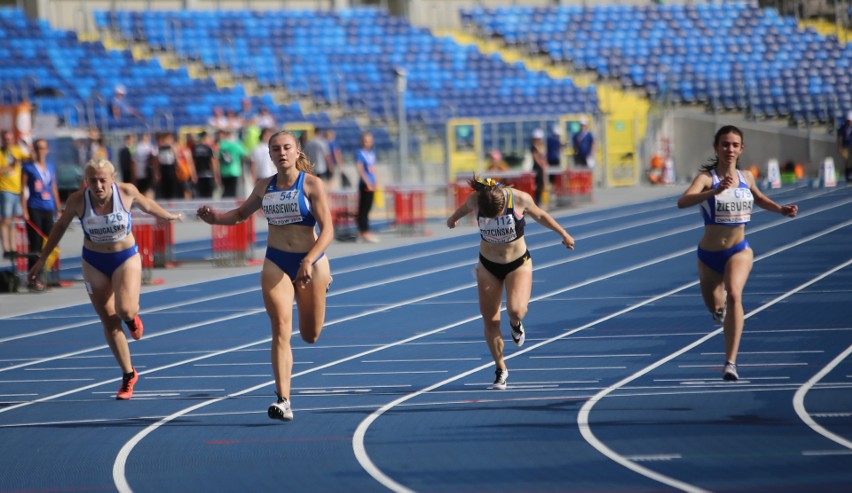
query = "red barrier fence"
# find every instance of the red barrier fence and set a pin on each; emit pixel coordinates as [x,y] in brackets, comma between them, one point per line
[572,186]
[409,205]
[143,231]
[344,210]
[233,245]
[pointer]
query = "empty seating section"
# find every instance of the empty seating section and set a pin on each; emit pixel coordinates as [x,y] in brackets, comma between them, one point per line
[349,57]
[75,80]
[728,55]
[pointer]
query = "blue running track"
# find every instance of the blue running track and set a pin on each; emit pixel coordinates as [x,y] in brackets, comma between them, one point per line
[617,388]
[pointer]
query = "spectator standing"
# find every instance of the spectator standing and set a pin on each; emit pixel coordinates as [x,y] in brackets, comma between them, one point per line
[206,165]
[335,157]
[165,167]
[231,155]
[318,154]
[119,108]
[42,204]
[365,162]
[264,118]
[125,158]
[539,162]
[844,145]
[219,122]
[583,143]
[261,164]
[143,154]
[11,158]
[554,147]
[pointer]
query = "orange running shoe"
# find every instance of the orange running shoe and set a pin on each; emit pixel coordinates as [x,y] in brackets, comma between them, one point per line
[127,383]
[137,329]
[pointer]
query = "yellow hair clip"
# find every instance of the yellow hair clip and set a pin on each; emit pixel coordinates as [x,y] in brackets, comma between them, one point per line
[488,182]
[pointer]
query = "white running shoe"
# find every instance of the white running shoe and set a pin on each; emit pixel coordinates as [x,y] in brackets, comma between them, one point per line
[719,316]
[280,410]
[730,373]
[518,336]
[500,380]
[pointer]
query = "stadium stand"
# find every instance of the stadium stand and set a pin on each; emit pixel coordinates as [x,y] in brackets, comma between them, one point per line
[727,56]
[350,57]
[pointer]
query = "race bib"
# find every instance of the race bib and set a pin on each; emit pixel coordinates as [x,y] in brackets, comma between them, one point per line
[500,229]
[282,208]
[106,229]
[733,206]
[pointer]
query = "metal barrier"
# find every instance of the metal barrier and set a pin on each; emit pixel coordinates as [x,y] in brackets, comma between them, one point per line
[409,205]
[344,210]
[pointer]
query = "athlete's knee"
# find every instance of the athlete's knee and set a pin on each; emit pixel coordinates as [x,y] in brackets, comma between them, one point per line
[127,311]
[734,297]
[517,312]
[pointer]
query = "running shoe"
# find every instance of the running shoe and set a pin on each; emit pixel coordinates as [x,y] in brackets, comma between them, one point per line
[137,329]
[719,316]
[280,410]
[500,380]
[127,383]
[518,336]
[730,373]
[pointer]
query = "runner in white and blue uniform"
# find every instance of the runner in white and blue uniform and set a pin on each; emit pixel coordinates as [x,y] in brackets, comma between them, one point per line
[296,268]
[726,196]
[112,268]
[504,261]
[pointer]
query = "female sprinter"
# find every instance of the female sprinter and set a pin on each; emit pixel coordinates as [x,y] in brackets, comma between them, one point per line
[503,259]
[726,196]
[112,268]
[294,202]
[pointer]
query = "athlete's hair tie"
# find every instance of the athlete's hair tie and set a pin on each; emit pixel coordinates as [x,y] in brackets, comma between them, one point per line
[483,183]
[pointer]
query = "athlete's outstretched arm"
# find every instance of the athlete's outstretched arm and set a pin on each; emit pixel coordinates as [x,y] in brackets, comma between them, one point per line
[542,217]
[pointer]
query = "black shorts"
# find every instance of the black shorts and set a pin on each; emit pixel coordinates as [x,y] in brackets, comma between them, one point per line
[500,271]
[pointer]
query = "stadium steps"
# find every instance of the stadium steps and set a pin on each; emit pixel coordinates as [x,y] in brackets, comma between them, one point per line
[614,101]
[827,28]
[223,78]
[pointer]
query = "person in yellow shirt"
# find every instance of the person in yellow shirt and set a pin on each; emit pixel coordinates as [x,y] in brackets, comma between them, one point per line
[11,157]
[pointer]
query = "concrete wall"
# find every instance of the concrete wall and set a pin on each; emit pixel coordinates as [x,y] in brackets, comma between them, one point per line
[692,141]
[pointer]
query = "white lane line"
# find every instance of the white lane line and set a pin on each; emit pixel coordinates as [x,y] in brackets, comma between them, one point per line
[358,437]
[569,356]
[799,400]
[824,453]
[190,377]
[373,284]
[120,464]
[423,360]
[572,368]
[653,458]
[50,380]
[687,380]
[346,374]
[816,351]
[743,365]
[583,420]
[71,368]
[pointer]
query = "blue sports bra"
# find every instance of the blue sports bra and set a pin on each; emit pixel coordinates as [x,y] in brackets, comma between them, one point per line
[289,206]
